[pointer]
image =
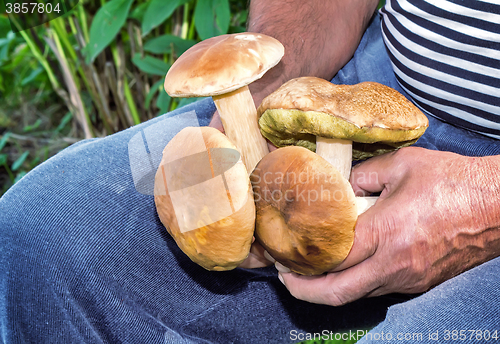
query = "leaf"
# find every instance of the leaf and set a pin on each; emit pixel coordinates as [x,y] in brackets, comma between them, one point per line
[19,176]
[34,162]
[222,15]
[3,159]
[151,65]
[106,24]
[34,73]
[211,18]
[4,139]
[5,24]
[138,12]
[163,45]
[186,101]
[163,101]
[158,11]
[65,120]
[152,92]
[4,53]
[237,29]
[19,162]
[33,126]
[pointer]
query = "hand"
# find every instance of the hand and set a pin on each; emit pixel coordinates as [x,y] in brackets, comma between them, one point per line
[257,258]
[437,216]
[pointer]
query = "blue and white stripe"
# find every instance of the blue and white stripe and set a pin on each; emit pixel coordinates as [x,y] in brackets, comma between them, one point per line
[446,55]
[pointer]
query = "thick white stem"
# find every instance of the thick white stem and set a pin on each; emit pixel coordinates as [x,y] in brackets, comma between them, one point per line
[239,118]
[337,152]
[363,203]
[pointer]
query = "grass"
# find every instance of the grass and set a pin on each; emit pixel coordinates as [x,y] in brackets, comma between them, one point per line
[65,80]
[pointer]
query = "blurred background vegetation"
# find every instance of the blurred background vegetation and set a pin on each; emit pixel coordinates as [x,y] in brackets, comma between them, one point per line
[94,71]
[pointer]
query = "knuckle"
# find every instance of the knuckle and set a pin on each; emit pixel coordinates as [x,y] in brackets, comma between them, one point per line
[337,297]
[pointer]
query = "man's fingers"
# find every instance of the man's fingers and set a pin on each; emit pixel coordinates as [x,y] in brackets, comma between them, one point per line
[334,288]
[256,258]
[372,174]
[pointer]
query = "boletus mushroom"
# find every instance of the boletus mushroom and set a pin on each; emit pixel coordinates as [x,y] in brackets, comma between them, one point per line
[222,67]
[340,122]
[306,210]
[204,198]
[307,223]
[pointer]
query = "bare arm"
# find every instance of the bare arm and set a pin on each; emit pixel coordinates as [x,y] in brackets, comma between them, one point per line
[319,36]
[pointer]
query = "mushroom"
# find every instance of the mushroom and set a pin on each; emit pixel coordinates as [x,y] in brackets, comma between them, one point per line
[204,198]
[340,122]
[222,67]
[306,208]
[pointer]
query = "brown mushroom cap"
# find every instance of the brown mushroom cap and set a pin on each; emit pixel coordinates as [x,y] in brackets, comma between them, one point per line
[365,113]
[222,64]
[306,210]
[204,198]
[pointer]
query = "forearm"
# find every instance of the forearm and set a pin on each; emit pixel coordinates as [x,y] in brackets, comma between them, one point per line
[483,193]
[319,36]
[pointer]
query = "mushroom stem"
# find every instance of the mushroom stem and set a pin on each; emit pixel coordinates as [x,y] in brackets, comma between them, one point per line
[239,118]
[364,203]
[337,152]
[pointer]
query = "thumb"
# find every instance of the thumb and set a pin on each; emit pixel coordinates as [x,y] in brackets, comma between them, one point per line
[334,288]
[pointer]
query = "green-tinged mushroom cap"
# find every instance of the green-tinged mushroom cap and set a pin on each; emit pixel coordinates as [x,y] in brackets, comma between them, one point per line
[376,118]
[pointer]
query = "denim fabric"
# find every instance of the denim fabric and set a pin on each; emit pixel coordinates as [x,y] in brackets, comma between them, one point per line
[85,259]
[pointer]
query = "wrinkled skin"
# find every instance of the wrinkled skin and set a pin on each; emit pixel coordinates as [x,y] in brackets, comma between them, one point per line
[438,215]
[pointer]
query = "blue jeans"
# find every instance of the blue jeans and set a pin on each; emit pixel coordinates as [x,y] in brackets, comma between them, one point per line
[85,259]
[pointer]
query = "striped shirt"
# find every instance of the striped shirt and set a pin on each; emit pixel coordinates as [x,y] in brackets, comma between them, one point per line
[446,56]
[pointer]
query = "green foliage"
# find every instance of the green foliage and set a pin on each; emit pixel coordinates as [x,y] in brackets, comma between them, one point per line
[151,65]
[107,23]
[168,44]
[97,70]
[156,13]
[212,18]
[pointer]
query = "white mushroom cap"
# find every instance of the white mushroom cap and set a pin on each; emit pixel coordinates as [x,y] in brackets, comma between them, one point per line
[222,64]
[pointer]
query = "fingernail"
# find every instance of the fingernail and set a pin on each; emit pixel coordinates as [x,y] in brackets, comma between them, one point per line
[268,257]
[281,268]
[281,278]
